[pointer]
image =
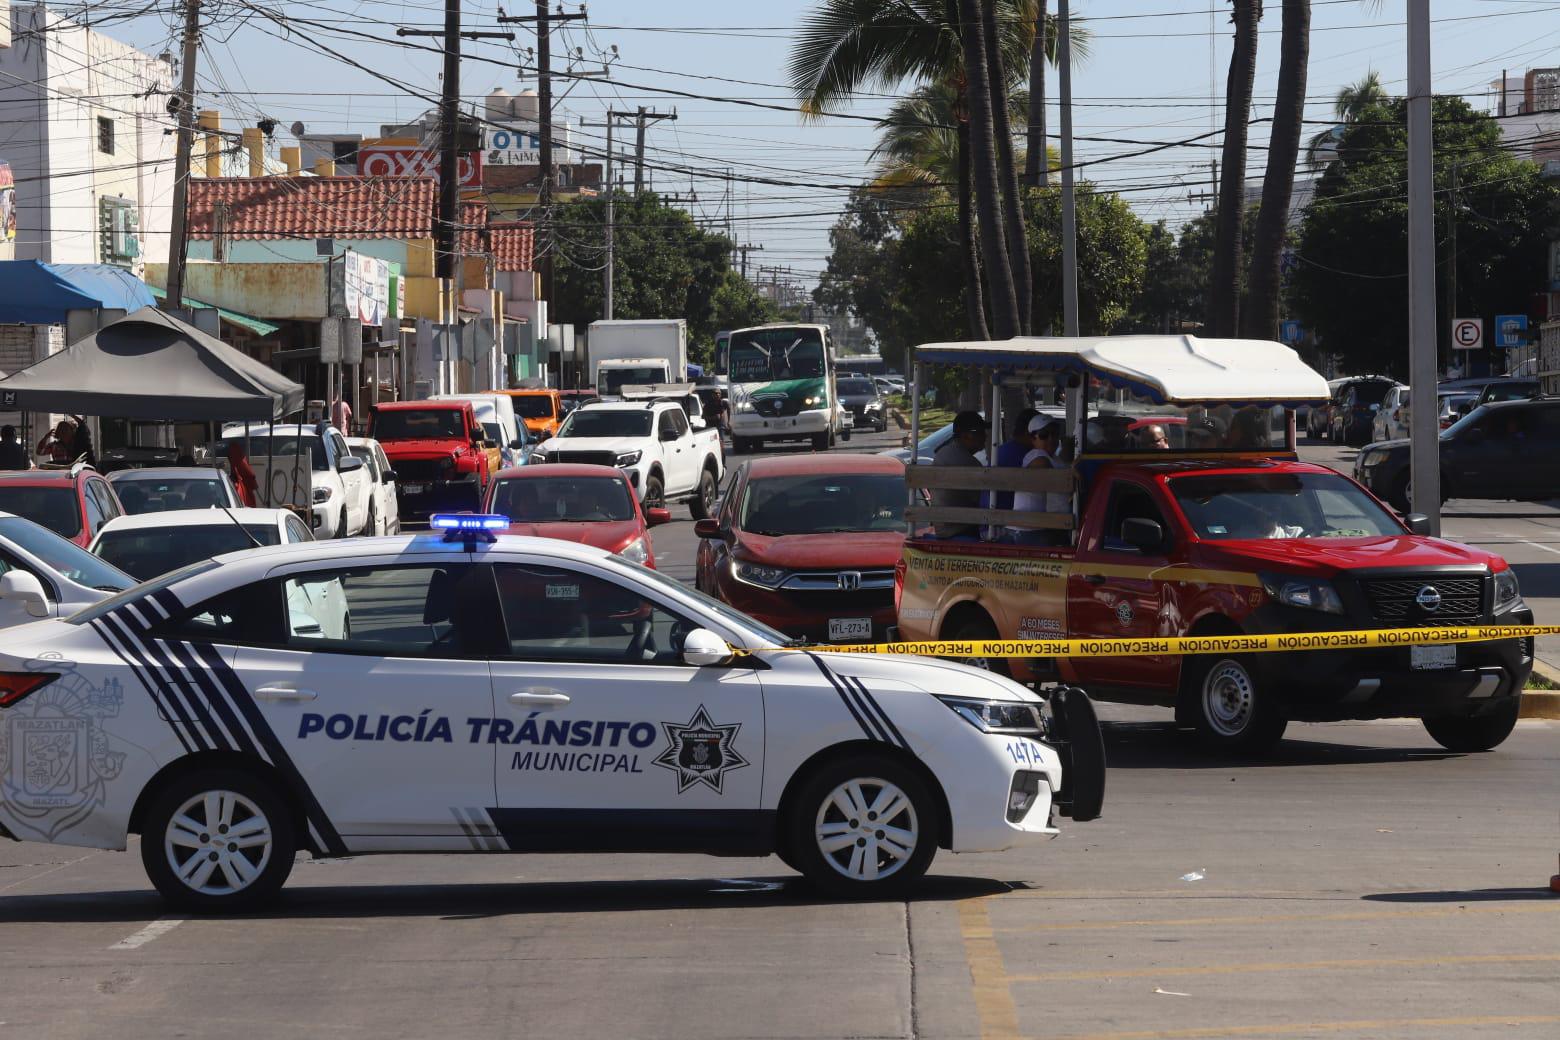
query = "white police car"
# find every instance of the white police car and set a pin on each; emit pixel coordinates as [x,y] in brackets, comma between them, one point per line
[458,693]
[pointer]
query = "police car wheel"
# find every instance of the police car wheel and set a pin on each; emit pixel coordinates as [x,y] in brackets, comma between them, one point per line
[863,826]
[1229,708]
[218,840]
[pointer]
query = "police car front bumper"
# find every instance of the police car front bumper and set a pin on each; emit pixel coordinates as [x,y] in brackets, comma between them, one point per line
[986,779]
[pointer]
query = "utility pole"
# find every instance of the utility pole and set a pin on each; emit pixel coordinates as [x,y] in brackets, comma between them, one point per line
[446,228]
[1069,210]
[1424,448]
[1451,276]
[544,25]
[606,271]
[643,117]
[744,249]
[178,239]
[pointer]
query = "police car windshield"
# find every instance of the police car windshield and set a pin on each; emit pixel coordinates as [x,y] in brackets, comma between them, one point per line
[66,558]
[1279,505]
[824,504]
[147,553]
[607,422]
[137,592]
[549,500]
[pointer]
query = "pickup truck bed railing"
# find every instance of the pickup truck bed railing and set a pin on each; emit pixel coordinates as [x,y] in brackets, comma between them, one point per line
[971,478]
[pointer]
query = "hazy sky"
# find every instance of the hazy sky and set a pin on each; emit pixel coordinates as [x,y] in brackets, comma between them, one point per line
[1147,78]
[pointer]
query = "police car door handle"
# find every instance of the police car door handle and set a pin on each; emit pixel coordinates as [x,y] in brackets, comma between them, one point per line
[539,697]
[284,693]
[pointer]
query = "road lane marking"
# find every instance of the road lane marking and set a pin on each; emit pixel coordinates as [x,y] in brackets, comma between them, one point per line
[1329,965]
[1539,545]
[1189,922]
[1366,1025]
[157,928]
[988,975]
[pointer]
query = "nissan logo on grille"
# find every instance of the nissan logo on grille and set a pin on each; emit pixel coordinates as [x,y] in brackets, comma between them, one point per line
[849,580]
[1429,599]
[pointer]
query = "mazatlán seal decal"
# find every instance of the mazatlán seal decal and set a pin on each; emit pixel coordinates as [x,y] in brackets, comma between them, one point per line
[700,752]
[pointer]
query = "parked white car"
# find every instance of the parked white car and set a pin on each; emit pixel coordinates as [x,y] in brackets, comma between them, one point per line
[152,544]
[385,509]
[163,488]
[1390,422]
[496,413]
[43,575]
[666,459]
[319,475]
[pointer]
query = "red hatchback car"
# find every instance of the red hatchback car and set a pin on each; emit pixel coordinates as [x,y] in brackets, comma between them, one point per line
[593,505]
[72,503]
[808,544]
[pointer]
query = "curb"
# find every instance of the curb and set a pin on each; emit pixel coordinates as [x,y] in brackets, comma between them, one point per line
[1542,704]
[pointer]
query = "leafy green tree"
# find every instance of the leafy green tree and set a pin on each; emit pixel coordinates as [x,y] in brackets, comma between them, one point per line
[1351,284]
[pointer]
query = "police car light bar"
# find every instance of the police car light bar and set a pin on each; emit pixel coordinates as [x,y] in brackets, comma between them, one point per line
[465,527]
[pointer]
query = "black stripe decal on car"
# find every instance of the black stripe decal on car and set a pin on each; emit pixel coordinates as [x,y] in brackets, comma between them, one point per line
[872,730]
[896,737]
[178,712]
[164,709]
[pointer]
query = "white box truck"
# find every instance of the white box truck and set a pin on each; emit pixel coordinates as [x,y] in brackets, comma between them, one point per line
[646,351]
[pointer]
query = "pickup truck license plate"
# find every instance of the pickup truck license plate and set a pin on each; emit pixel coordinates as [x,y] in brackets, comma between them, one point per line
[842,629]
[414,489]
[1428,657]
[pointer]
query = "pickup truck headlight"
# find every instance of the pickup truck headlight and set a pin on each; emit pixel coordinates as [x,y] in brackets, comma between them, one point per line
[1506,590]
[634,551]
[758,574]
[321,494]
[1303,593]
[629,458]
[995,716]
[744,406]
[539,455]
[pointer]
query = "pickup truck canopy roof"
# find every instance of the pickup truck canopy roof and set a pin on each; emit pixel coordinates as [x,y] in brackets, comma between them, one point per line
[1167,369]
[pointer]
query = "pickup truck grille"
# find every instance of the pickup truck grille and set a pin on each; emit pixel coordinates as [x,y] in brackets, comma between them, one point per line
[775,406]
[586,458]
[417,471]
[1394,601]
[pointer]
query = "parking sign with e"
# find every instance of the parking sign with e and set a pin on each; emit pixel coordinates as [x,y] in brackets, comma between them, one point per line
[1468,333]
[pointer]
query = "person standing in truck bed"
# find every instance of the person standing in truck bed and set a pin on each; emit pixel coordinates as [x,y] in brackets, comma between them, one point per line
[969,437]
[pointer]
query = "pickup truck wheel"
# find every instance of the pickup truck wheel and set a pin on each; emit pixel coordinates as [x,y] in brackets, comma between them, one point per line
[702,505]
[1482,733]
[977,629]
[371,525]
[655,492]
[341,525]
[863,827]
[1228,707]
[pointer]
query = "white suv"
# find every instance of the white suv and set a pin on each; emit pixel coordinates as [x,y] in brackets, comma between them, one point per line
[335,488]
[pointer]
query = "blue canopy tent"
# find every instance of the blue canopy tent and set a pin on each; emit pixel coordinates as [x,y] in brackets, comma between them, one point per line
[35,293]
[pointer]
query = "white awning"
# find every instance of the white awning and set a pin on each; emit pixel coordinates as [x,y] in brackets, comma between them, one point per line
[1168,369]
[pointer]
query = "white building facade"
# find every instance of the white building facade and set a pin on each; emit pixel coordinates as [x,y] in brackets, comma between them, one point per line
[82,126]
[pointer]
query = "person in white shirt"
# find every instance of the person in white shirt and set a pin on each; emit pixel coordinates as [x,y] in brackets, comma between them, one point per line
[1045,438]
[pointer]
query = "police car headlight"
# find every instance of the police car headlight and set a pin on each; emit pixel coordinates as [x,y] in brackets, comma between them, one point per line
[629,458]
[1303,593]
[635,551]
[321,494]
[1506,590]
[758,574]
[995,716]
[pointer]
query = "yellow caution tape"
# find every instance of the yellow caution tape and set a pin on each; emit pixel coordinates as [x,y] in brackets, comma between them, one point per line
[1156,646]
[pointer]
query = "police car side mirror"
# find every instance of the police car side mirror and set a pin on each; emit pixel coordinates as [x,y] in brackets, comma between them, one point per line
[27,590]
[703,649]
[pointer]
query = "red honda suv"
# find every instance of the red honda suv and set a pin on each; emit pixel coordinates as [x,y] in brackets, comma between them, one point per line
[72,503]
[592,505]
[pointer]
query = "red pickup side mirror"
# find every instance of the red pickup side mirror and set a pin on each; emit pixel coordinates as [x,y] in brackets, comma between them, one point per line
[707,528]
[657,515]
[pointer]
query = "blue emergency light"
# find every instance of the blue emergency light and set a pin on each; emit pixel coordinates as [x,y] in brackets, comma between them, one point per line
[468,527]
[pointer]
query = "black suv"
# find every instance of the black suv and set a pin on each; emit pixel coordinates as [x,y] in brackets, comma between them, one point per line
[1353,409]
[1506,450]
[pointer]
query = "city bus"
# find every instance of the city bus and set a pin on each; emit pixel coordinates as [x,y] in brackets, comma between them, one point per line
[780,382]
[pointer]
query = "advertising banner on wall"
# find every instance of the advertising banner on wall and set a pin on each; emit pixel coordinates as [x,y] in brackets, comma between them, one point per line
[510,148]
[395,160]
[360,288]
[7,204]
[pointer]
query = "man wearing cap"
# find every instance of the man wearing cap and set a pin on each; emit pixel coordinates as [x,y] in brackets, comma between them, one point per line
[1045,436]
[969,437]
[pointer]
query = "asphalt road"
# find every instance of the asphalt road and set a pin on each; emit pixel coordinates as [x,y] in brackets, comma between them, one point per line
[1359,883]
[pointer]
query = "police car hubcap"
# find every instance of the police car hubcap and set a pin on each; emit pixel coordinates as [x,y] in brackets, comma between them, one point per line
[867,829]
[1227,698]
[218,842]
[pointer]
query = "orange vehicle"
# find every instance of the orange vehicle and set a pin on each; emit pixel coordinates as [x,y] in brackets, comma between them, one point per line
[540,410]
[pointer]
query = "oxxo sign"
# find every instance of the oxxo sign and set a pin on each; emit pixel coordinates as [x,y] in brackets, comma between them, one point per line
[1467,333]
[380,160]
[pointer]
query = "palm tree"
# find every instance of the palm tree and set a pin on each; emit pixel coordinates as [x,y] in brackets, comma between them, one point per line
[1259,317]
[1347,106]
[1042,51]
[918,139]
[983,165]
[1224,284]
[1007,174]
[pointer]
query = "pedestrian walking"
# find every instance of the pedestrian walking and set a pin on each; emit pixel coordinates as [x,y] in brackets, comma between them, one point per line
[244,480]
[13,455]
[341,412]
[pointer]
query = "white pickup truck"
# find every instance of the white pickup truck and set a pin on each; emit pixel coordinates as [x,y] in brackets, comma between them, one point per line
[666,459]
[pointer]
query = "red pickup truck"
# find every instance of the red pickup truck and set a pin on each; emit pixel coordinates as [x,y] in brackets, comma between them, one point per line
[440,454]
[1226,540]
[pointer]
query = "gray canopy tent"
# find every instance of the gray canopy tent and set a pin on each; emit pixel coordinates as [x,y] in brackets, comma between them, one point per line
[151,365]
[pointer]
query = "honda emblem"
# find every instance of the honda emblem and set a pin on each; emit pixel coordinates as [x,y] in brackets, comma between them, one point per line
[850,581]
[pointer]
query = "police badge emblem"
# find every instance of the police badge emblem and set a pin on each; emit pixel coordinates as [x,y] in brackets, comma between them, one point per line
[700,752]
